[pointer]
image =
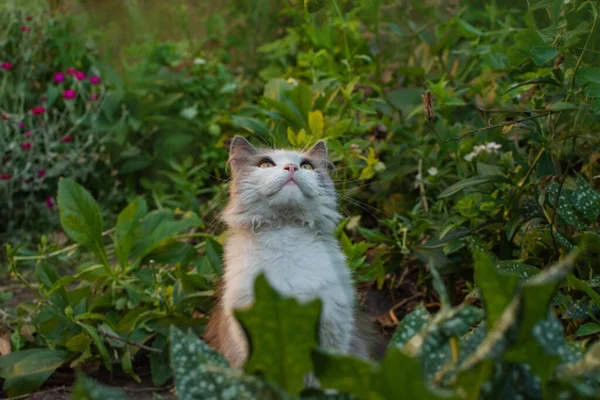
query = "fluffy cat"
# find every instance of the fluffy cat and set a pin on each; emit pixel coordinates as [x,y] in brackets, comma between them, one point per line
[282,214]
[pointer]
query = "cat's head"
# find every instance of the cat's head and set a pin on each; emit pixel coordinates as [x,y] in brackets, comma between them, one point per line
[276,187]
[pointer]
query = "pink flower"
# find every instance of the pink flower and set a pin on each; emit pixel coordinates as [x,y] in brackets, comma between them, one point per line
[49,202]
[6,65]
[21,124]
[67,139]
[41,173]
[94,96]
[59,77]
[69,94]
[27,134]
[25,28]
[94,79]
[71,71]
[5,177]
[26,145]
[80,75]
[38,110]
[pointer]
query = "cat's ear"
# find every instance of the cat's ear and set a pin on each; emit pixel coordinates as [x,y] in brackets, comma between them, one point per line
[240,151]
[318,152]
[240,147]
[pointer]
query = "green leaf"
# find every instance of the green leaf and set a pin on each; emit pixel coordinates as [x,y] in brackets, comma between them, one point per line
[312,6]
[281,334]
[159,226]
[159,362]
[588,329]
[88,389]
[126,229]
[542,55]
[301,97]
[252,125]
[497,288]
[99,344]
[202,373]
[28,373]
[411,325]
[524,271]
[562,106]
[398,377]
[471,380]
[346,374]
[470,182]
[80,216]
[588,75]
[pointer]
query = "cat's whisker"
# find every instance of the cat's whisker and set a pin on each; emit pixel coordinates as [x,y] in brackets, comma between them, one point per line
[365,208]
[356,201]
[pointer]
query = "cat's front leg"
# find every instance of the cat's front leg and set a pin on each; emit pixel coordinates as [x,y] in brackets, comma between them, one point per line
[336,329]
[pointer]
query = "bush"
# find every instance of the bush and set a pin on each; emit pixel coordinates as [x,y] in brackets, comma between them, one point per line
[52,123]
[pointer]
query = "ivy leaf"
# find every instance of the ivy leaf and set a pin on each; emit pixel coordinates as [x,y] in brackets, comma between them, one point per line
[399,376]
[80,216]
[497,288]
[88,389]
[281,333]
[201,373]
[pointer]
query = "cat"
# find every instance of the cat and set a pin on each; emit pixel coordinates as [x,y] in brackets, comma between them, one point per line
[282,214]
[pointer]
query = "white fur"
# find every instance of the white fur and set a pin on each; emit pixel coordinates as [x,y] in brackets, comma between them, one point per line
[285,230]
[297,263]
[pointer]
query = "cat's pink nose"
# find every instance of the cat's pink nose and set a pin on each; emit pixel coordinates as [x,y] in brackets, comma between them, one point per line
[291,168]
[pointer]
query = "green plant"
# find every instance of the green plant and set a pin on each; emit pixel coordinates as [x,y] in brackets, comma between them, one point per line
[519,350]
[52,117]
[119,297]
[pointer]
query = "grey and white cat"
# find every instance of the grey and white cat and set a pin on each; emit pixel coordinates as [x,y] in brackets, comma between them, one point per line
[282,214]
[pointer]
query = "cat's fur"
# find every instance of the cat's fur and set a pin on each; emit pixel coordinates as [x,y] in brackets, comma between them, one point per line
[285,230]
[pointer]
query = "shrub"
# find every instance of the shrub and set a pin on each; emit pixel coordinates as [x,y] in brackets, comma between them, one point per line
[52,124]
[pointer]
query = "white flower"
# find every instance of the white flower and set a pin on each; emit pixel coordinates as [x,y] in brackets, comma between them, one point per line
[432,171]
[292,82]
[489,148]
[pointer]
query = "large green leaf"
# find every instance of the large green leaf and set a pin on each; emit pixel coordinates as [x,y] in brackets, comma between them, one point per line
[201,373]
[28,373]
[497,288]
[159,226]
[398,377]
[80,216]
[281,333]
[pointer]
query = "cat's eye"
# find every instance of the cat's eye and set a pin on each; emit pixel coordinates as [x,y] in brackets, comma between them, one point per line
[307,165]
[266,164]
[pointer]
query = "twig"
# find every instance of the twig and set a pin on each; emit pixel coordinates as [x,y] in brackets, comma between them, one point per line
[516,121]
[129,342]
[403,302]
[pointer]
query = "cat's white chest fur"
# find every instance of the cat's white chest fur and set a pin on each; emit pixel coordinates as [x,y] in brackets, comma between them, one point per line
[298,262]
